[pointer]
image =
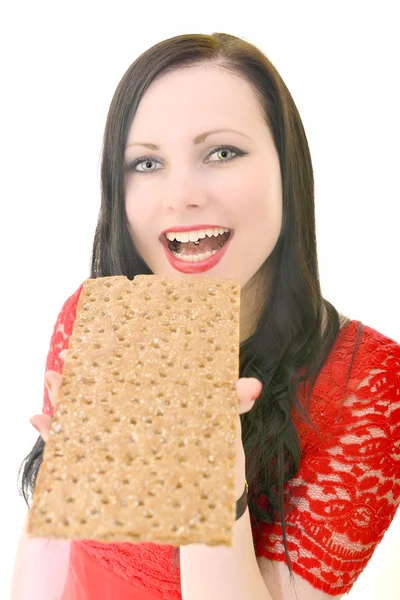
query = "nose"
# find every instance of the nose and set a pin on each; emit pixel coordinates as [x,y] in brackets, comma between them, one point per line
[183,193]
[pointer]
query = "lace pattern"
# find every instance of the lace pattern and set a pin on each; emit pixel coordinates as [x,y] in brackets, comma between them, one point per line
[346,492]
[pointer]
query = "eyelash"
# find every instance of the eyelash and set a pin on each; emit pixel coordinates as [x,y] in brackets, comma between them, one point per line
[133,165]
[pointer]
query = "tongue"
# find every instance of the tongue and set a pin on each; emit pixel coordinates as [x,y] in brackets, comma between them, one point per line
[207,244]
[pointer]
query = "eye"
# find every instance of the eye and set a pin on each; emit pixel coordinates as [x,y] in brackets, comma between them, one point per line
[132,167]
[226,149]
[140,161]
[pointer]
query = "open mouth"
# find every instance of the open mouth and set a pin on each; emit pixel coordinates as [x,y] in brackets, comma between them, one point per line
[197,251]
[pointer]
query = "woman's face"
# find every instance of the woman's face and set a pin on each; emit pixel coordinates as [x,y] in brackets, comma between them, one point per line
[186,182]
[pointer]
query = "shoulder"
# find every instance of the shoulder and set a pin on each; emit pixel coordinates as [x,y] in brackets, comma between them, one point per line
[377,366]
[359,352]
[379,347]
[380,364]
[363,371]
[62,332]
[67,314]
[64,324]
[367,341]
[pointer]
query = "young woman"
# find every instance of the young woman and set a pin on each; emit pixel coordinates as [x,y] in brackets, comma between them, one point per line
[203,136]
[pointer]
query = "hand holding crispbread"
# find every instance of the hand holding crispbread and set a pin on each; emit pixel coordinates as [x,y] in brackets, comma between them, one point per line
[143,441]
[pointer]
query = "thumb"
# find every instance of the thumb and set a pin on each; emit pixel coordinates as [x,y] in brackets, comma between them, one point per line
[43,424]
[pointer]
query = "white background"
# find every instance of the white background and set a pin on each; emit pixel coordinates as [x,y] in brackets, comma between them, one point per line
[341,66]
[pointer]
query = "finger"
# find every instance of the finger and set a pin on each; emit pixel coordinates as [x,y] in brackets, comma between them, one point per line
[43,424]
[53,382]
[248,389]
[63,354]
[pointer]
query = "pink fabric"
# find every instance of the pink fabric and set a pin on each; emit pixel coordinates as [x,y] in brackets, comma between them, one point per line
[347,488]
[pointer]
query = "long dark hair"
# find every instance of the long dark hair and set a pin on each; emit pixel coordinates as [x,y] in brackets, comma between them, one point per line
[289,336]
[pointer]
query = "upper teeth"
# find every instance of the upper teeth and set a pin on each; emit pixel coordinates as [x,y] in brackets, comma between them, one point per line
[193,236]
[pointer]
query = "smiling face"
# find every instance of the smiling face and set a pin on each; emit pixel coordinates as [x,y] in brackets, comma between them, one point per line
[187,182]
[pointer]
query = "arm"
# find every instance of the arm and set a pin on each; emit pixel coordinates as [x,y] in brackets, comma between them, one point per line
[277,578]
[223,573]
[236,574]
[40,568]
[40,565]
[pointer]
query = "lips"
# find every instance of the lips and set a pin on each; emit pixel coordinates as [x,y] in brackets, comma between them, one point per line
[198,266]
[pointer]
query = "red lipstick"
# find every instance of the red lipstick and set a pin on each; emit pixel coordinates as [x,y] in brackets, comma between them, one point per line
[194,267]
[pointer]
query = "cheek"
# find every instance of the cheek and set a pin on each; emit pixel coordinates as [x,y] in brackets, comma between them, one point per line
[138,213]
[255,202]
[266,196]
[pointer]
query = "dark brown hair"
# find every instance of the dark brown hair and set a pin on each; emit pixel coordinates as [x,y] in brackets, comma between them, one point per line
[289,335]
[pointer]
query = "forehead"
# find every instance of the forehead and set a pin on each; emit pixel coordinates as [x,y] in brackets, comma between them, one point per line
[195,99]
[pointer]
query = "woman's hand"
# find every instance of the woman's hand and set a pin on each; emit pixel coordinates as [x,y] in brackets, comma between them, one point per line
[247,389]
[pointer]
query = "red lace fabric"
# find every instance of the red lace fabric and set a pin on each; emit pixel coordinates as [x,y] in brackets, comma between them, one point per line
[346,492]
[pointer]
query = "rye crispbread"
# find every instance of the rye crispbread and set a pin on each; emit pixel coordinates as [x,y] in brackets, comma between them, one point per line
[142,445]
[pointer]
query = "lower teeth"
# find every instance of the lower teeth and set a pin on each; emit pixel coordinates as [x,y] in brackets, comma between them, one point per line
[196,257]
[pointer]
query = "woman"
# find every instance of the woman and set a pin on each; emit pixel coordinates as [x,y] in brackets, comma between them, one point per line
[325,416]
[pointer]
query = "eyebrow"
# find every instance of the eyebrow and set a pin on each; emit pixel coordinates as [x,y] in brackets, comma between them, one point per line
[197,140]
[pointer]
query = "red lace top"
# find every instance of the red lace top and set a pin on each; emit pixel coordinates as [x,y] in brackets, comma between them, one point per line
[347,490]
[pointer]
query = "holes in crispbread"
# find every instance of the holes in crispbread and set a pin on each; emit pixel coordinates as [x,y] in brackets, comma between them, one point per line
[210,320]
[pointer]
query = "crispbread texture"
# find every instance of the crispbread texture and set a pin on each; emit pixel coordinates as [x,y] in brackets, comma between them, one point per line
[142,445]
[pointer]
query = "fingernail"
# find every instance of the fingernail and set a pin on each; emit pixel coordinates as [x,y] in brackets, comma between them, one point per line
[48,384]
[257,395]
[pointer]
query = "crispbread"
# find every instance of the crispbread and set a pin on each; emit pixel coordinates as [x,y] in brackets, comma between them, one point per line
[142,445]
